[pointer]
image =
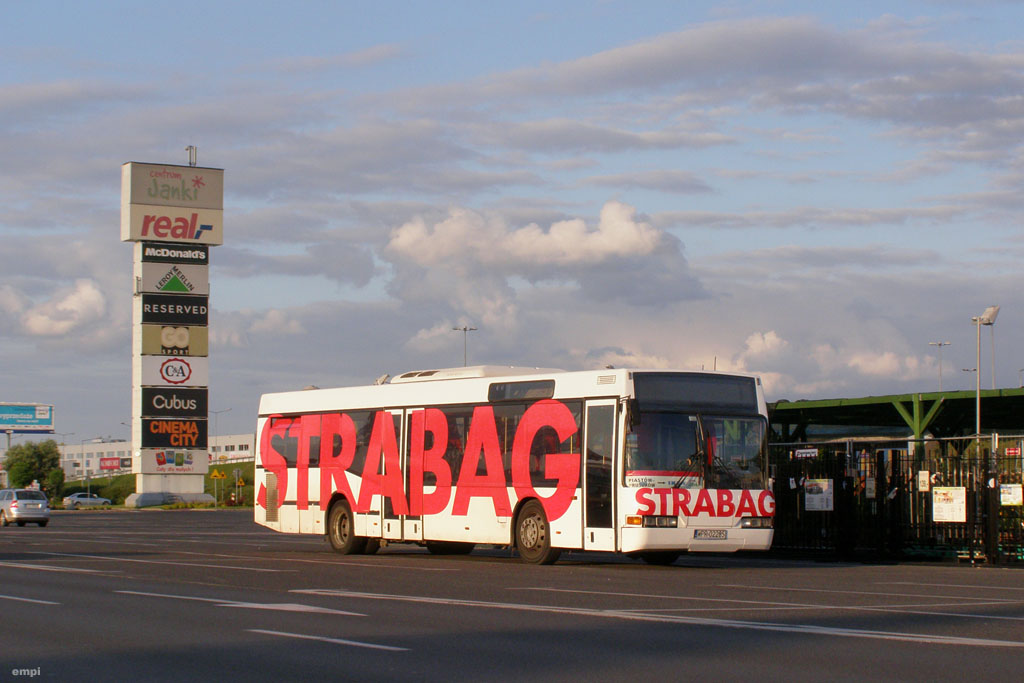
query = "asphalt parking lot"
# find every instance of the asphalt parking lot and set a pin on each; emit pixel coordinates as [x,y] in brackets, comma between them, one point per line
[179,595]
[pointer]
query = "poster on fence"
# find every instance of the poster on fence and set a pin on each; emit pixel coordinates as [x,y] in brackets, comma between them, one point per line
[949,504]
[1011,494]
[818,495]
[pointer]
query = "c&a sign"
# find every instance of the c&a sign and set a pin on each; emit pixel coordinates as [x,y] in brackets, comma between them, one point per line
[175,371]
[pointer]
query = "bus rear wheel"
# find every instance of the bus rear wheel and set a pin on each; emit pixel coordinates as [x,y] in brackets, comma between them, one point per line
[533,535]
[341,530]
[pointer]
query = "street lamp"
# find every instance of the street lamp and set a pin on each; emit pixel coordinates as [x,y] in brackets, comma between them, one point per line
[465,334]
[215,413]
[940,345]
[986,318]
[81,452]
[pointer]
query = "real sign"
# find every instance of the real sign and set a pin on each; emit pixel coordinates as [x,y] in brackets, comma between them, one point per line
[175,371]
[142,222]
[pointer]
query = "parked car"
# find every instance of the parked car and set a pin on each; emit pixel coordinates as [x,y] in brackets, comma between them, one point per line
[82,499]
[23,505]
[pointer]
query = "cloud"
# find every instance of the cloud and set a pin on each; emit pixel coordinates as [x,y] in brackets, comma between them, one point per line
[66,310]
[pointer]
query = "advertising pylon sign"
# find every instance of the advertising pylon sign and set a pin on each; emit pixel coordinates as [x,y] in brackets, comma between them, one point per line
[173,214]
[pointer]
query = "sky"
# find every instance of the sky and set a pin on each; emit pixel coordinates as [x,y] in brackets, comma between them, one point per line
[814,192]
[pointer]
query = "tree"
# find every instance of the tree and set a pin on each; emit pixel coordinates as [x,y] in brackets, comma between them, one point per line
[32,461]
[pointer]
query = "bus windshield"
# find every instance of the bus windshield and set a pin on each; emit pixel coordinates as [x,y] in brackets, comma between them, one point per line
[685,450]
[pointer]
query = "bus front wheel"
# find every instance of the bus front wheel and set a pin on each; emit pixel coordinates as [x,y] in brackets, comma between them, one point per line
[341,530]
[533,535]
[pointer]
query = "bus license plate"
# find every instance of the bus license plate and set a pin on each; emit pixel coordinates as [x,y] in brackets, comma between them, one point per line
[711,534]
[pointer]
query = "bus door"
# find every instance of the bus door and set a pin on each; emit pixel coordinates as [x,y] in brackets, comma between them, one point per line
[598,475]
[412,525]
[391,523]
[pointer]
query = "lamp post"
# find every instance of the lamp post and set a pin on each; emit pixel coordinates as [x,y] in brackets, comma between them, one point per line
[215,414]
[81,452]
[940,344]
[986,318]
[465,334]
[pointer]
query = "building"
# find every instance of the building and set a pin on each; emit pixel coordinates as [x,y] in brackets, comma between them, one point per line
[97,457]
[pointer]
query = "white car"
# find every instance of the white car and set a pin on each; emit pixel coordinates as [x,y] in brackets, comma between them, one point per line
[82,499]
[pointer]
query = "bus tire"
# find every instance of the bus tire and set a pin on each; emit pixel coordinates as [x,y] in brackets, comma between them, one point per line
[341,530]
[449,548]
[663,558]
[533,535]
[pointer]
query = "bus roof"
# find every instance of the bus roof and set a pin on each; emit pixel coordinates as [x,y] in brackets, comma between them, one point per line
[458,386]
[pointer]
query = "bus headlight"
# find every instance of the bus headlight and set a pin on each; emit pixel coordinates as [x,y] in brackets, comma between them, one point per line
[660,521]
[756,523]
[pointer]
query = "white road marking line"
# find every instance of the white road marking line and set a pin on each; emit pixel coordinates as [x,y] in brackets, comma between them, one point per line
[951,585]
[669,597]
[35,602]
[805,629]
[346,563]
[830,590]
[333,641]
[50,568]
[279,606]
[173,564]
[779,606]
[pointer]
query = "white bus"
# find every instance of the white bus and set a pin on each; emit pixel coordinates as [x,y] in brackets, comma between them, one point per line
[648,463]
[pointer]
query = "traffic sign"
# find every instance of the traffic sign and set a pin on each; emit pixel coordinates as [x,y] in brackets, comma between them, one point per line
[218,474]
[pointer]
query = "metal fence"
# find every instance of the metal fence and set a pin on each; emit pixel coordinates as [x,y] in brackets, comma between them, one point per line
[885,499]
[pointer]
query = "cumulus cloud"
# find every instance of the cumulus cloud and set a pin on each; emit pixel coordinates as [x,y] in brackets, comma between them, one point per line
[66,310]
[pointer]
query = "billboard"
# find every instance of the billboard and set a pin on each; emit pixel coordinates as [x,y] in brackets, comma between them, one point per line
[174,278]
[175,309]
[175,371]
[26,418]
[173,461]
[110,463]
[173,433]
[174,402]
[170,340]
